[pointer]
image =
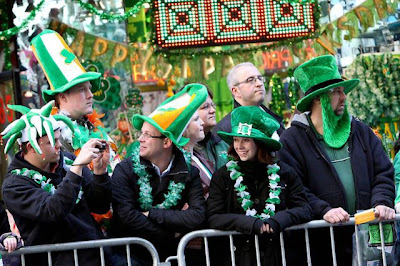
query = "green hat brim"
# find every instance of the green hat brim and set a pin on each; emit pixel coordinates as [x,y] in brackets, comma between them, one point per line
[272,144]
[138,121]
[49,95]
[304,103]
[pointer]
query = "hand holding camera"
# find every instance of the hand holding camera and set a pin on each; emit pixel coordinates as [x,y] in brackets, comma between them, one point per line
[101,162]
[96,150]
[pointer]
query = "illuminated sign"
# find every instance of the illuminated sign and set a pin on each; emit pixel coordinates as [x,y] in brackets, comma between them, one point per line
[185,23]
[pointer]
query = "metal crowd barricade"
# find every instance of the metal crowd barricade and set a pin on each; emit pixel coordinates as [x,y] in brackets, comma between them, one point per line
[313,224]
[74,246]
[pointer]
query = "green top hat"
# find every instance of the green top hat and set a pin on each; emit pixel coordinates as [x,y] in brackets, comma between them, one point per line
[317,76]
[173,115]
[33,124]
[252,122]
[61,67]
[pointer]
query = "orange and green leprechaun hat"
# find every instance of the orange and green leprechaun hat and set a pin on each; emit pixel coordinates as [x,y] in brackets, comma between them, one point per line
[173,115]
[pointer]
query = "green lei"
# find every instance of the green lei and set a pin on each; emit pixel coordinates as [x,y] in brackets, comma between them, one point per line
[244,196]
[42,180]
[145,197]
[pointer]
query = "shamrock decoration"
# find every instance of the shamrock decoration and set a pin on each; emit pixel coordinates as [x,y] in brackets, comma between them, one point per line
[93,66]
[112,98]
[133,98]
[99,95]
[107,94]
[69,57]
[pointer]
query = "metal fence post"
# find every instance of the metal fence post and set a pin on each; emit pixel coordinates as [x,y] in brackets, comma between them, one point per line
[257,246]
[207,252]
[308,247]
[232,247]
[357,245]
[283,254]
[382,244]
[333,246]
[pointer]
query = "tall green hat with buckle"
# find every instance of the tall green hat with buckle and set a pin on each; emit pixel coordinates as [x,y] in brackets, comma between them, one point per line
[173,115]
[252,122]
[33,124]
[60,65]
[317,76]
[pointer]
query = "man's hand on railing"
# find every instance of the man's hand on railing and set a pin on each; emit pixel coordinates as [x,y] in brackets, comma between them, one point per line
[336,215]
[384,213]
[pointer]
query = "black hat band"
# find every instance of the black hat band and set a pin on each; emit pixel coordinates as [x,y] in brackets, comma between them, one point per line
[322,85]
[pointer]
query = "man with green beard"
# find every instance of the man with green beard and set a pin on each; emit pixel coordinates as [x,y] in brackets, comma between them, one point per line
[340,160]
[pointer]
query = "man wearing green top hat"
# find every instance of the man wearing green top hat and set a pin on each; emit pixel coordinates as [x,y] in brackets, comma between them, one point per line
[340,160]
[51,193]
[70,86]
[157,194]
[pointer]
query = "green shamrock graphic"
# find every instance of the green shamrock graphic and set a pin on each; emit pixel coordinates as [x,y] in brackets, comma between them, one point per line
[69,57]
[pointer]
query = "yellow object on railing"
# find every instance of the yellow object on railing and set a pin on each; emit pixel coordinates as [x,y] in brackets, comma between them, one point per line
[364,216]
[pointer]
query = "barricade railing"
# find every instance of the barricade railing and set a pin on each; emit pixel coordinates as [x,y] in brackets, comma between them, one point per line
[75,246]
[206,233]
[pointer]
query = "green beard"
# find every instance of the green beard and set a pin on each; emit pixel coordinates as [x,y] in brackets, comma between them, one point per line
[336,128]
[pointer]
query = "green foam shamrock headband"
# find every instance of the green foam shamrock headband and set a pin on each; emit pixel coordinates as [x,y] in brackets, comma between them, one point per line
[33,123]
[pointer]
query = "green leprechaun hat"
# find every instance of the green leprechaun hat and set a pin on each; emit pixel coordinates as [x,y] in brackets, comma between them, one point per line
[173,115]
[33,124]
[252,122]
[317,76]
[61,67]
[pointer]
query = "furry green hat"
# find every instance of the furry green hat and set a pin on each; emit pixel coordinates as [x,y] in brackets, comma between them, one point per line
[252,122]
[61,67]
[33,123]
[317,76]
[173,115]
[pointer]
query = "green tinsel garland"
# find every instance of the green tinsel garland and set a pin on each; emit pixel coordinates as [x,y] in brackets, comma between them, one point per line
[386,143]
[111,17]
[6,34]
[293,93]
[277,104]
[378,94]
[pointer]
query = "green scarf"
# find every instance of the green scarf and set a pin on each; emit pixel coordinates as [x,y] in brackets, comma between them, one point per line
[336,128]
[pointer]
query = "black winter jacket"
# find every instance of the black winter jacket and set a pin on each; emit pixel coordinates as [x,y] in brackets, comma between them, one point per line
[43,218]
[161,224]
[372,170]
[225,212]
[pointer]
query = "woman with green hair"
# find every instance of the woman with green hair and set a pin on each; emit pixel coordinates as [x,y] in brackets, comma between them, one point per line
[255,193]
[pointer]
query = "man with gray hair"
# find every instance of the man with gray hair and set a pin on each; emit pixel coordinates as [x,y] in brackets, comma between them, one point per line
[247,88]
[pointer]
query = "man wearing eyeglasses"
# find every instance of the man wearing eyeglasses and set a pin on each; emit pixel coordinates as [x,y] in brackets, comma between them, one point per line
[340,160]
[157,194]
[248,89]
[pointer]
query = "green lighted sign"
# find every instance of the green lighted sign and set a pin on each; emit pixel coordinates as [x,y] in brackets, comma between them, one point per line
[183,23]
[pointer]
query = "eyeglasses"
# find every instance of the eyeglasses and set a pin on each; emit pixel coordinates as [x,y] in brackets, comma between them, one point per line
[207,106]
[146,135]
[337,91]
[252,80]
